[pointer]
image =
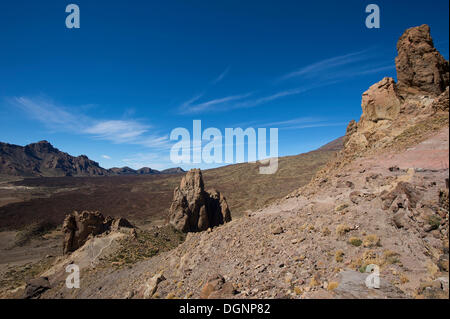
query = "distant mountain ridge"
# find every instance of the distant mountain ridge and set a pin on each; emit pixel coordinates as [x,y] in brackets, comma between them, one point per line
[42,159]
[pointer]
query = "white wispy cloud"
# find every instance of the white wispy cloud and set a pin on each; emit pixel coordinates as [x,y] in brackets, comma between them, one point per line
[48,113]
[295,123]
[312,125]
[60,118]
[221,76]
[152,160]
[189,108]
[316,75]
[326,65]
[117,131]
[106,157]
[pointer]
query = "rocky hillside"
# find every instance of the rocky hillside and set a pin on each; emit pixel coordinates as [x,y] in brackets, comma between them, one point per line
[42,159]
[143,171]
[380,204]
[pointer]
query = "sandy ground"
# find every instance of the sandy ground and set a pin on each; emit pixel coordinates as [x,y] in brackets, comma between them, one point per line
[13,255]
[431,154]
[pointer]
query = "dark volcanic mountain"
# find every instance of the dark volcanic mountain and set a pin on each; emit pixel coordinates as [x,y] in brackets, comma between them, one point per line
[147,171]
[175,170]
[143,171]
[122,171]
[42,159]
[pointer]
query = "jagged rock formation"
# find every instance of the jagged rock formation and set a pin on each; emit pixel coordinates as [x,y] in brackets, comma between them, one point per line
[42,159]
[147,171]
[174,170]
[381,101]
[122,171]
[389,108]
[35,287]
[79,227]
[420,67]
[193,209]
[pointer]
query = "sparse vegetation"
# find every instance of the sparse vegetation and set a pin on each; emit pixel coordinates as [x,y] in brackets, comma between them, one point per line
[147,244]
[417,133]
[434,221]
[339,256]
[404,279]
[342,229]
[340,207]
[17,276]
[371,241]
[355,241]
[171,295]
[390,257]
[314,281]
[332,285]
[325,231]
[33,231]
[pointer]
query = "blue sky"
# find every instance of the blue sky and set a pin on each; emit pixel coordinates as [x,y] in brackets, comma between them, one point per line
[115,88]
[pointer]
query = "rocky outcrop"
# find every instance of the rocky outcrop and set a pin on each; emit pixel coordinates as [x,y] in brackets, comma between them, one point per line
[147,171]
[35,287]
[79,227]
[193,209]
[152,285]
[404,195]
[381,101]
[174,170]
[217,288]
[420,67]
[42,159]
[389,108]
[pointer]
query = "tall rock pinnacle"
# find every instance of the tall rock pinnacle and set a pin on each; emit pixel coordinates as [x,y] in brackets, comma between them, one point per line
[420,67]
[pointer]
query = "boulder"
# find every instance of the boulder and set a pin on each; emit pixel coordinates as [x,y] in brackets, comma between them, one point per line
[352,127]
[352,284]
[152,285]
[420,67]
[79,227]
[194,209]
[381,101]
[35,287]
[404,195]
[217,288]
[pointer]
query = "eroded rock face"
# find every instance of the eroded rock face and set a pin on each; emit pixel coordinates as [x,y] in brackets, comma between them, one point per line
[381,101]
[193,209]
[35,287]
[79,227]
[388,107]
[420,67]
[404,195]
